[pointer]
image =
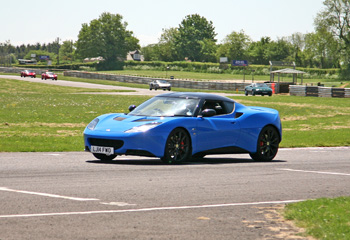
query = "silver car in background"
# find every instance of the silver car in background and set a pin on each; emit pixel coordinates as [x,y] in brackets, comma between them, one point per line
[160,84]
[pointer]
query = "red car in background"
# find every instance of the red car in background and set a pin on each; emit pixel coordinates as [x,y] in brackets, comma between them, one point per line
[48,75]
[28,73]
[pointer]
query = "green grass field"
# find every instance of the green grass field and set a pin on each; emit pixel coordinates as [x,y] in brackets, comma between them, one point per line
[323,218]
[40,117]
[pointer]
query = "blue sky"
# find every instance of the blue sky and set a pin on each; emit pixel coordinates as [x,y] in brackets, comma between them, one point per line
[33,21]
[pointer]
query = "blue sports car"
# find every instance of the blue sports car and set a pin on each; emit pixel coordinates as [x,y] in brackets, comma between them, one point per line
[178,126]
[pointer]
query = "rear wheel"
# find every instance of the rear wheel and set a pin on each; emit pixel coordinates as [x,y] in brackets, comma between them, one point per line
[178,147]
[267,146]
[103,157]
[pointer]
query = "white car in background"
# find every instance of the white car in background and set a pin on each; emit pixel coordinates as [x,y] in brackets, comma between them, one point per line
[160,84]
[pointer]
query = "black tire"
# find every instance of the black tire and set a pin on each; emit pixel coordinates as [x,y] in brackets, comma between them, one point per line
[103,157]
[253,93]
[246,93]
[267,145]
[177,147]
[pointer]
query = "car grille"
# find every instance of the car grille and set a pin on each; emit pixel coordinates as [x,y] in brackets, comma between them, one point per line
[116,144]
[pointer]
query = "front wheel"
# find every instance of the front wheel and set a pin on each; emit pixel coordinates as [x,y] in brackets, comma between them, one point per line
[178,147]
[103,157]
[267,146]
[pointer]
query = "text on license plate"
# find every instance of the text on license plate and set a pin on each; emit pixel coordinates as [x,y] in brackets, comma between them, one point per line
[102,150]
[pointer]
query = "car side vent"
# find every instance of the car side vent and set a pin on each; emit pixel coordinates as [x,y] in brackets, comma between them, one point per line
[238,114]
[119,118]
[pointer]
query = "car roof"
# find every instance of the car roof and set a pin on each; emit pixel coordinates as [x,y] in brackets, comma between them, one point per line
[199,95]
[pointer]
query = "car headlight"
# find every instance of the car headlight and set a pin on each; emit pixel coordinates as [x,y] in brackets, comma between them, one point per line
[93,124]
[143,128]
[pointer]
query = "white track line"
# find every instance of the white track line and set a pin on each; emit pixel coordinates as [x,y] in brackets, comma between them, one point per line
[146,209]
[47,195]
[319,172]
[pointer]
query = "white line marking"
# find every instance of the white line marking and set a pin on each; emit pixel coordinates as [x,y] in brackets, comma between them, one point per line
[119,204]
[48,195]
[329,173]
[146,209]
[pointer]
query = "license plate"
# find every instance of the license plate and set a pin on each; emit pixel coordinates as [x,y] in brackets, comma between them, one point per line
[102,150]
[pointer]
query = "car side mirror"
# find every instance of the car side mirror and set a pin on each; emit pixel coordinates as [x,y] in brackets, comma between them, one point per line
[208,113]
[132,107]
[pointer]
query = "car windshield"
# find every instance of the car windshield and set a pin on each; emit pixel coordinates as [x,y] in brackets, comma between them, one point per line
[262,85]
[49,73]
[167,107]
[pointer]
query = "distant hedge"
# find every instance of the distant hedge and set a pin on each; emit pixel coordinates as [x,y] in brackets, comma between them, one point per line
[73,66]
[223,68]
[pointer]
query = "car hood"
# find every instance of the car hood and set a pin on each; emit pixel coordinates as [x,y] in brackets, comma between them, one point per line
[123,122]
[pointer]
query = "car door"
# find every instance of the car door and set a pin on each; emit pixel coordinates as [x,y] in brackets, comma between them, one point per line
[218,131]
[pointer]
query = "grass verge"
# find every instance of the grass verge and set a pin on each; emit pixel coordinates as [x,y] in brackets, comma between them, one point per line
[322,218]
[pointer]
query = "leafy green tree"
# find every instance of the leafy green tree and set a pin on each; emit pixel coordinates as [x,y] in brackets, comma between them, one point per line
[167,45]
[150,52]
[107,37]
[321,49]
[192,31]
[257,51]
[67,50]
[208,50]
[235,46]
[279,50]
[336,19]
[297,41]
[165,49]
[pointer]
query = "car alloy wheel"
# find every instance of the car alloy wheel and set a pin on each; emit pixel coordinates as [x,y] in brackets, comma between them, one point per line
[178,146]
[268,143]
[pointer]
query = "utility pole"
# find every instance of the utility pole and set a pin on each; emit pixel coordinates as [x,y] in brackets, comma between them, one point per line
[58,50]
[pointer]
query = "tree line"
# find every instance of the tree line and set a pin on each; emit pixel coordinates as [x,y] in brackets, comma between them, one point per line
[194,39]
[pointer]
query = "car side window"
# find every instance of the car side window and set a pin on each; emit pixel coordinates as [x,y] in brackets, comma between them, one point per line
[220,107]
